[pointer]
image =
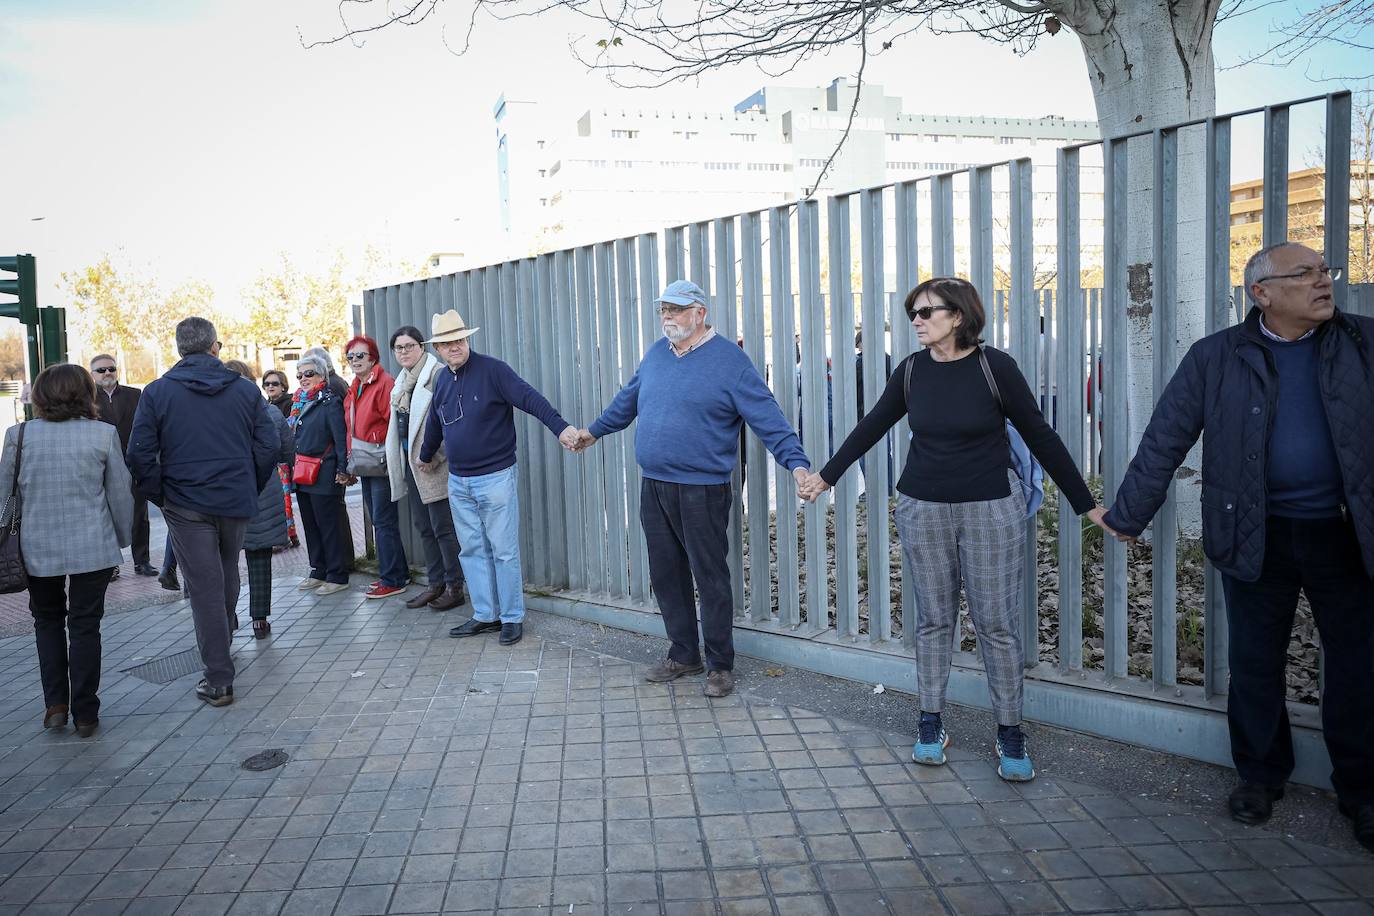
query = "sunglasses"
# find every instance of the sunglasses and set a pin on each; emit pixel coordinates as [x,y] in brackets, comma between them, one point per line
[362,354]
[271,384]
[306,374]
[925,311]
[103,369]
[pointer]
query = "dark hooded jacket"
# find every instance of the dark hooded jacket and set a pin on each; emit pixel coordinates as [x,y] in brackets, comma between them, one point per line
[1226,389]
[202,440]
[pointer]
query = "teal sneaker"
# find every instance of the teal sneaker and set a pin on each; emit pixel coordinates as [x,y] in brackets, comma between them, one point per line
[931,741]
[1013,763]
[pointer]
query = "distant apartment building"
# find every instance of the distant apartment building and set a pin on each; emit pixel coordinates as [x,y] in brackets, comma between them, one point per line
[1306,217]
[614,173]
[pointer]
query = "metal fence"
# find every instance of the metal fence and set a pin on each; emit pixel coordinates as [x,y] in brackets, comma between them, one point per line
[575,323]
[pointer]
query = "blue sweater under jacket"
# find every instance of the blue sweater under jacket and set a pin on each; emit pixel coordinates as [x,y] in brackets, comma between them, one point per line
[473,415]
[1303,475]
[690,409]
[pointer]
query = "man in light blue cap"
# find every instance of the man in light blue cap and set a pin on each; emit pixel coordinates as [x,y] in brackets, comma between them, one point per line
[691,393]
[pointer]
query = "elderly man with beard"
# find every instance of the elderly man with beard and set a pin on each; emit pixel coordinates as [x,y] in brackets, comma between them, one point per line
[691,394]
[117,405]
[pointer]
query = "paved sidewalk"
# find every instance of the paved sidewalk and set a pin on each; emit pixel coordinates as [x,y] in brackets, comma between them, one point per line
[433,775]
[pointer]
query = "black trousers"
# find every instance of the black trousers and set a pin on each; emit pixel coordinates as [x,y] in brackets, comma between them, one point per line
[685,528]
[1322,559]
[324,541]
[66,628]
[207,548]
[140,542]
[434,522]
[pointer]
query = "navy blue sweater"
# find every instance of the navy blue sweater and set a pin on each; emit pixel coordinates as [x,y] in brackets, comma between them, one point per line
[690,409]
[473,415]
[1302,473]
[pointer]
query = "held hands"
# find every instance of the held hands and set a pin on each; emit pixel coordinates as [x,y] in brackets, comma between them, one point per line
[1095,515]
[809,485]
[576,440]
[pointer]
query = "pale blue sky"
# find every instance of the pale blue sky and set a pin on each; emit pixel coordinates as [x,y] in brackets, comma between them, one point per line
[196,138]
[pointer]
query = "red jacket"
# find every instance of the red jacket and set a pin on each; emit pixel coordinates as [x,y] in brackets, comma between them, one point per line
[367,409]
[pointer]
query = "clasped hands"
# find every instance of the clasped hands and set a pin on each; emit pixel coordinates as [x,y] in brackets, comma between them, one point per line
[574,439]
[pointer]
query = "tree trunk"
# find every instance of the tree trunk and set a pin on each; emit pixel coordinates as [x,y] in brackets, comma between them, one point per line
[1150,64]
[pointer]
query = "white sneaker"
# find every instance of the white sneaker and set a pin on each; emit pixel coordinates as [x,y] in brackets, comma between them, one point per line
[308,584]
[331,588]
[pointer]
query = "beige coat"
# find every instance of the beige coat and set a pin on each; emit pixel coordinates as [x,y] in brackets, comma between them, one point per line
[433,484]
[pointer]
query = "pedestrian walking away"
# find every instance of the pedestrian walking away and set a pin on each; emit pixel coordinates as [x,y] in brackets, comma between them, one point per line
[1282,404]
[472,414]
[202,449]
[77,513]
[118,403]
[317,418]
[267,529]
[692,394]
[367,412]
[427,490]
[961,507]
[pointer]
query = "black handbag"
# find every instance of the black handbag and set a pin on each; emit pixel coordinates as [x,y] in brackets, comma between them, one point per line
[13,576]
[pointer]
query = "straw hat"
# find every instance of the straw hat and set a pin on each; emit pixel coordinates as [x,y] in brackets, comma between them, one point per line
[449,326]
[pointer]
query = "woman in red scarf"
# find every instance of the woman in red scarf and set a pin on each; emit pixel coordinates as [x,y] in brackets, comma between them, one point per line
[368,413]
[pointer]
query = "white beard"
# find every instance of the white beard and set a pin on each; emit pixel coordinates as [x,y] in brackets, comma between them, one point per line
[676,334]
[108,383]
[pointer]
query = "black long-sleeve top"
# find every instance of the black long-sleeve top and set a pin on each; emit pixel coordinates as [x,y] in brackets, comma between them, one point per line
[959,449]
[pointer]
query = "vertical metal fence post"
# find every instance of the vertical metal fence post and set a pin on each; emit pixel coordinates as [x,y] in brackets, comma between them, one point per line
[607,366]
[674,255]
[942,226]
[785,389]
[844,399]
[568,384]
[1095,381]
[903,345]
[874,298]
[1337,203]
[760,603]
[631,316]
[726,311]
[1067,412]
[1021,344]
[1275,174]
[813,409]
[1218,315]
[592,463]
[1164,586]
[1115,174]
[533,514]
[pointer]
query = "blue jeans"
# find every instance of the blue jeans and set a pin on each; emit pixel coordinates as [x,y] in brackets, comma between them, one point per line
[486,515]
[386,530]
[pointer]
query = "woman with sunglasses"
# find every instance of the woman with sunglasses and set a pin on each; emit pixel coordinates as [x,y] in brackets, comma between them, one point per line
[960,509]
[317,416]
[277,390]
[367,410]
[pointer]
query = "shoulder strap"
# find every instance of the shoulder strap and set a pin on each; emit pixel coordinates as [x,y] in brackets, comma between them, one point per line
[906,383]
[992,382]
[18,459]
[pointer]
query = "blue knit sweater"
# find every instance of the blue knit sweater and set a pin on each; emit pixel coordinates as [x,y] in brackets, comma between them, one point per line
[1302,473]
[690,409]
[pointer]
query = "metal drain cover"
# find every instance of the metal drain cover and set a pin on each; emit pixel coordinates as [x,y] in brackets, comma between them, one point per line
[168,668]
[266,760]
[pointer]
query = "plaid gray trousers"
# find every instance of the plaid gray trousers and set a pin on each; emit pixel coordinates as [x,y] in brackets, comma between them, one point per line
[980,543]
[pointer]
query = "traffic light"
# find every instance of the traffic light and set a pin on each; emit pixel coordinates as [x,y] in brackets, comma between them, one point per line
[24,285]
[53,335]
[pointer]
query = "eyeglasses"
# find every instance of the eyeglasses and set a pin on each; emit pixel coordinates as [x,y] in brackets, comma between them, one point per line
[404,348]
[271,384]
[361,354]
[101,370]
[306,374]
[1310,274]
[670,311]
[925,311]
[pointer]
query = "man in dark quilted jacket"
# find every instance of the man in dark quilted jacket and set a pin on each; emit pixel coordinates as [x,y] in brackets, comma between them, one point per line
[1282,402]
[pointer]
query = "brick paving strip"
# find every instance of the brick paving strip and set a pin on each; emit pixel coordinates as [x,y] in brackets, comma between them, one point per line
[432,775]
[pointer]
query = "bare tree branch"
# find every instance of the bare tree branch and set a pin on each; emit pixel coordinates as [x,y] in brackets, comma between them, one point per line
[853,110]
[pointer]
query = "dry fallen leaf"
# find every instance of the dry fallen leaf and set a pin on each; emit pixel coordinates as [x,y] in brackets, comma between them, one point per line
[774,672]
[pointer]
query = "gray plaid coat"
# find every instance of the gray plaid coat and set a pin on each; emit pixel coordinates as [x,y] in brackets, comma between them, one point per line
[77,496]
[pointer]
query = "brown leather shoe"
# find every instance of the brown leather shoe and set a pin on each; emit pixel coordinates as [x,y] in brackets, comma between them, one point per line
[719,683]
[669,670]
[56,716]
[86,729]
[452,597]
[425,597]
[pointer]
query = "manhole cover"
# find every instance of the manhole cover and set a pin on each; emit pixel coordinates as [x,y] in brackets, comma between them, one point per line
[266,760]
[168,668]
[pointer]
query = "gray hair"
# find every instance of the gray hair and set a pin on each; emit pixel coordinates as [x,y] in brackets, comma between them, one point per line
[195,335]
[1261,264]
[99,356]
[326,362]
[314,361]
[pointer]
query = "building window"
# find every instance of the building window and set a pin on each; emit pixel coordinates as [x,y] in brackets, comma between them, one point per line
[686,134]
[811,163]
[624,134]
[624,163]
[722,166]
[747,138]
